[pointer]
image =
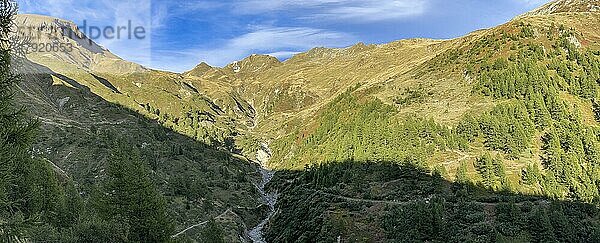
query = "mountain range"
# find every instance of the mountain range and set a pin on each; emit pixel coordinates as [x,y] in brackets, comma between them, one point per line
[493,136]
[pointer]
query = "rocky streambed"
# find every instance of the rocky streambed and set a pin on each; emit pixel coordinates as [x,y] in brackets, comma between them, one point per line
[268,198]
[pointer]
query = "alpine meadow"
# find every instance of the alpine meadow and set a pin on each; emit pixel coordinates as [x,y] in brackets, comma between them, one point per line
[489,137]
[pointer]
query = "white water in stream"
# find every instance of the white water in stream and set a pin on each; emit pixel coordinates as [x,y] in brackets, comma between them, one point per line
[268,198]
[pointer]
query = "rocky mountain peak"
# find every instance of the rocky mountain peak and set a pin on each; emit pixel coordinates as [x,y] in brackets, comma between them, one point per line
[562,6]
[254,63]
[199,70]
[62,40]
[45,28]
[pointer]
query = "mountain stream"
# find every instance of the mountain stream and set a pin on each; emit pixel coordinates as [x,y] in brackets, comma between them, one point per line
[268,198]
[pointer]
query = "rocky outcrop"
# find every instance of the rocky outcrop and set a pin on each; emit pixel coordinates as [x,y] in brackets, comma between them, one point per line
[562,6]
[63,41]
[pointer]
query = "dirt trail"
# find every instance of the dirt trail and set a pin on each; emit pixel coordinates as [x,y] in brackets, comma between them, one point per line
[201,223]
[426,200]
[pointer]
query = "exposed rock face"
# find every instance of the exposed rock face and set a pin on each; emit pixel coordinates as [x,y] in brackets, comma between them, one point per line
[45,28]
[62,102]
[562,6]
[264,154]
[69,45]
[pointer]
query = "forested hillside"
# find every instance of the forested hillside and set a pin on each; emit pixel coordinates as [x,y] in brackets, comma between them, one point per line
[534,138]
[493,136]
[103,147]
[542,124]
[77,168]
[357,201]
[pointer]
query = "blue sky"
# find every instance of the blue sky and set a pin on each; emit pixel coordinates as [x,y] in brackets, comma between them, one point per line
[183,33]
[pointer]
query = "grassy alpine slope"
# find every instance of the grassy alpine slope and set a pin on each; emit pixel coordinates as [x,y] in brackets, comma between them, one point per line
[532,89]
[167,97]
[481,138]
[120,175]
[80,132]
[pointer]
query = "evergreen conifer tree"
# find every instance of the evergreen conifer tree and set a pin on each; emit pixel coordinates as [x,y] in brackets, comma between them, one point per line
[130,194]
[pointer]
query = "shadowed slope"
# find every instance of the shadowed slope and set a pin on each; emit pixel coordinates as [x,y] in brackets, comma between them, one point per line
[384,202]
[78,128]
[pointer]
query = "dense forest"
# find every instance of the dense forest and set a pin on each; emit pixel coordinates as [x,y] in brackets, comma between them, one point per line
[355,201]
[540,77]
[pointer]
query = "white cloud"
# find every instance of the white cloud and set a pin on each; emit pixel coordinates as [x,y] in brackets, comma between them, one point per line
[50,7]
[322,10]
[261,6]
[534,2]
[135,14]
[283,54]
[372,11]
[159,16]
[64,9]
[280,42]
[277,40]
[337,10]
[199,5]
